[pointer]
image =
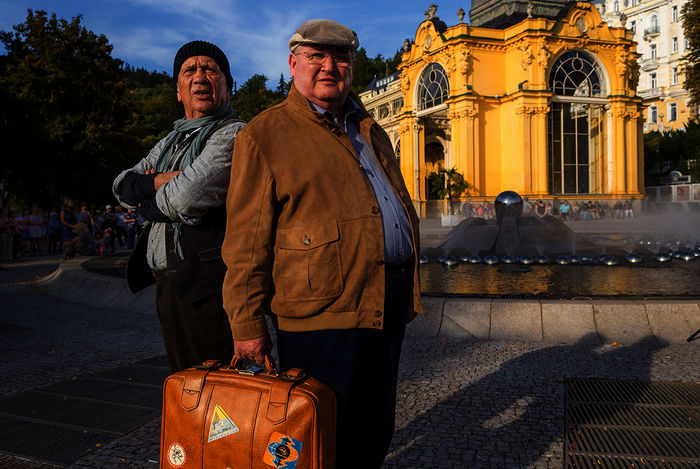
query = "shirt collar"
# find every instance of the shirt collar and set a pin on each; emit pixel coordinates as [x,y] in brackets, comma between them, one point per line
[349,108]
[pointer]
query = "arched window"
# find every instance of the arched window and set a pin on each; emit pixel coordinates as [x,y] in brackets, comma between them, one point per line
[576,125]
[654,22]
[576,74]
[433,88]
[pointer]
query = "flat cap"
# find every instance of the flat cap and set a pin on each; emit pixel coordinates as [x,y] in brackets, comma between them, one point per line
[324,33]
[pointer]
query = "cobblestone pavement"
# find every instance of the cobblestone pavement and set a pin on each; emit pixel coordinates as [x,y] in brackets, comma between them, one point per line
[462,403]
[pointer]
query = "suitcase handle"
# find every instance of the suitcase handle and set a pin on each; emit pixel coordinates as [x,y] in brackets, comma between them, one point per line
[269,364]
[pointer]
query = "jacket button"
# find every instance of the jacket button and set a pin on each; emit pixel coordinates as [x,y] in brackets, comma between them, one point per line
[378,313]
[375,209]
[377,324]
[306,241]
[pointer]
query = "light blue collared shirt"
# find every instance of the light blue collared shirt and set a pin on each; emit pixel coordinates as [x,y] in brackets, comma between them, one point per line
[398,248]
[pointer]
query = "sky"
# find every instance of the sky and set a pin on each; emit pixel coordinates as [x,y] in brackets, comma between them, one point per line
[253,34]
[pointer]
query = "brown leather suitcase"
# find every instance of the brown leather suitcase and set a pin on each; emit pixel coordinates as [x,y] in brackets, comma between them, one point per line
[219,417]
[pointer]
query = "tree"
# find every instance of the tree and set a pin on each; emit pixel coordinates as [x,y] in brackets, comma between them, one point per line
[455,184]
[367,69]
[677,150]
[63,112]
[254,96]
[691,61]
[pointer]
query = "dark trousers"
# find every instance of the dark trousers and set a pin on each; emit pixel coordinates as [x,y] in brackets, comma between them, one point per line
[361,365]
[192,332]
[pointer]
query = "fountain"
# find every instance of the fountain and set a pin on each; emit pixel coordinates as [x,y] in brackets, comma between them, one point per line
[529,256]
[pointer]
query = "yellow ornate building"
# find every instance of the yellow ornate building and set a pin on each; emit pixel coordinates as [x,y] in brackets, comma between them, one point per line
[545,107]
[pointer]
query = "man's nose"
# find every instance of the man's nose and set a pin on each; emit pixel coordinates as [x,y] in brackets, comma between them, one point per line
[200,74]
[328,63]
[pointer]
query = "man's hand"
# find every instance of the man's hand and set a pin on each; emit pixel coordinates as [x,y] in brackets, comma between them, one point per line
[254,349]
[163,178]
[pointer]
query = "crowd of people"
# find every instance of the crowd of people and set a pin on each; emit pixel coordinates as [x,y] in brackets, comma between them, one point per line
[585,210]
[83,228]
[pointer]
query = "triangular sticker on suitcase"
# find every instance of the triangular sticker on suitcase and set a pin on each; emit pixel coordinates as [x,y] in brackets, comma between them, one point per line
[221,425]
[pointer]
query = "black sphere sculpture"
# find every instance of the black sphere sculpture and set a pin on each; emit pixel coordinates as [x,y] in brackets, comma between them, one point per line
[508,203]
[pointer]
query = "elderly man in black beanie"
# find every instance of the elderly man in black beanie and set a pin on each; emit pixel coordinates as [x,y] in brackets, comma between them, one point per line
[179,188]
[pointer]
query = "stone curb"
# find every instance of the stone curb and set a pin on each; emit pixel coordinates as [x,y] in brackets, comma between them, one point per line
[71,282]
[564,321]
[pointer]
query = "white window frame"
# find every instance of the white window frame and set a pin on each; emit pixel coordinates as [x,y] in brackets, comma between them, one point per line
[672,112]
[653,115]
[674,76]
[653,50]
[653,82]
[674,13]
[674,44]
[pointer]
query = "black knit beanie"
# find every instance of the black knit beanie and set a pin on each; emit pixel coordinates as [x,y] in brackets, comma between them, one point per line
[194,48]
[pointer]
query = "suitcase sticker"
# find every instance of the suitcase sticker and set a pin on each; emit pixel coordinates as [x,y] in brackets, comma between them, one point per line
[176,455]
[221,425]
[282,451]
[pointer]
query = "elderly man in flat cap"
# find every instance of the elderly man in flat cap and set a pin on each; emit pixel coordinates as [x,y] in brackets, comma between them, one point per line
[180,189]
[323,236]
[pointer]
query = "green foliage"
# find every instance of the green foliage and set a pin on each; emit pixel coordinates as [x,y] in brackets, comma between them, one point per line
[72,116]
[64,113]
[366,68]
[691,61]
[453,187]
[678,150]
[254,96]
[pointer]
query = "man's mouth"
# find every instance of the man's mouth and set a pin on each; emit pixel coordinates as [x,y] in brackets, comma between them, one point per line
[202,93]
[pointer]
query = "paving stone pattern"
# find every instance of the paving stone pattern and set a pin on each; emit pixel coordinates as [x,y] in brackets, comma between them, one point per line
[462,403]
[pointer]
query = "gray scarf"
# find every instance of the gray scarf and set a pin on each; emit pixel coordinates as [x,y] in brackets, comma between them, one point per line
[204,127]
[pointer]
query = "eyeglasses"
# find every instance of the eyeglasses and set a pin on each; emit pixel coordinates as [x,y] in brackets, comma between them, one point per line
[319,58]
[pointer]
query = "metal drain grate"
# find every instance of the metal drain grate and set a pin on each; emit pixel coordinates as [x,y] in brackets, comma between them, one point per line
[623,424]
[61,423]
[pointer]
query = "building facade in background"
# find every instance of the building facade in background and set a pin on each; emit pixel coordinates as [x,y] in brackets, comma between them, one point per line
[542,105]
[657,28]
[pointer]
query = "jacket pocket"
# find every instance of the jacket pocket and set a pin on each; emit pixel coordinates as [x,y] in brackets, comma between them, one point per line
[307,262]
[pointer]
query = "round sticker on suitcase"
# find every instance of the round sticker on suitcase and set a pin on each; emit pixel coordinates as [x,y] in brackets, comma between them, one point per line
[282,451]
[176,455]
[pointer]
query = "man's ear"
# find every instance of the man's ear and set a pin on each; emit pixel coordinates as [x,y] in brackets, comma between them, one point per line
[292,64]
[179,98]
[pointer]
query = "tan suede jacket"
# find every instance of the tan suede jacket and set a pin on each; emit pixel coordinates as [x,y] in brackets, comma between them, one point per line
[304,236]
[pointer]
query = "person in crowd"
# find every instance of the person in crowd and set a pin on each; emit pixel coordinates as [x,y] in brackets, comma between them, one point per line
[131,220]
[53,232]
[68,222]
[607,211]
[618,209]
[6,234]
[83,243]
[109,229]
[84,216]
[540,209]
[598,210]
[34,229]
[627,209]
[527,206]
[487,211]
[322,235]
[121,225]
[180,189]
[564,210]
[22,233]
